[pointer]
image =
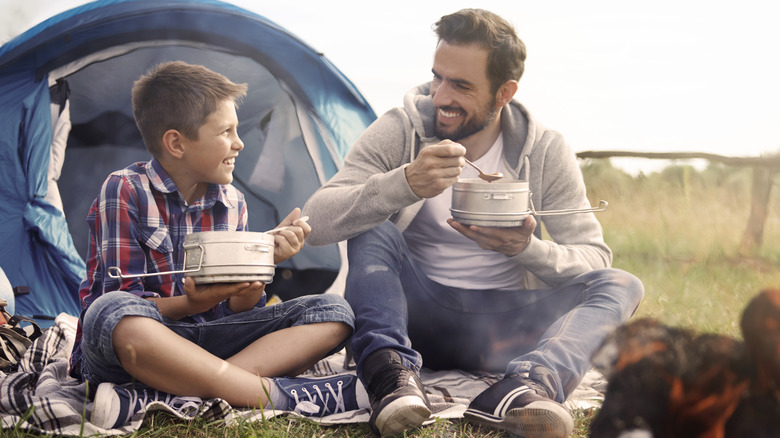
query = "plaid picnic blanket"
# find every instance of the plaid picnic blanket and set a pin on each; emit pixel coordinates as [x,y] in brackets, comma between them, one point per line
[41,397]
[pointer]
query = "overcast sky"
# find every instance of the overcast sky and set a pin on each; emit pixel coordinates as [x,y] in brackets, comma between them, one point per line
[661,76]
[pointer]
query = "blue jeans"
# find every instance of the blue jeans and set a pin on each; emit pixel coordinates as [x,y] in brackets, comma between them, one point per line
[397,306]
[223,337]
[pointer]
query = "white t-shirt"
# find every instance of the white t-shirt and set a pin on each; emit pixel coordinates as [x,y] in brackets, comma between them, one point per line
[448,257]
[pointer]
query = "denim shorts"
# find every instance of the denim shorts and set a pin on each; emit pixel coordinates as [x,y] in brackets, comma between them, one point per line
[223,337]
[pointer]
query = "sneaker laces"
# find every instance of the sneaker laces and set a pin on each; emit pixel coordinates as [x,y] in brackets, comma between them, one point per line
[389,379]
[315,399]
[537,387]
[139,398]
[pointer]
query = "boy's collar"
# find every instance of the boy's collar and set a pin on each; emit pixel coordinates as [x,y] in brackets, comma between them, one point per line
[162,182]
[159,177]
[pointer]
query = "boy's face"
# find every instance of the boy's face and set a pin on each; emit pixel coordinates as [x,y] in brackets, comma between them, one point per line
[211,159]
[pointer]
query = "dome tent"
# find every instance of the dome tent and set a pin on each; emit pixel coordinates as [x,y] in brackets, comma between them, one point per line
[66,119]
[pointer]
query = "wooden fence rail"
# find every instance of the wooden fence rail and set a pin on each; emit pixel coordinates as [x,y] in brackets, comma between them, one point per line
[764,168]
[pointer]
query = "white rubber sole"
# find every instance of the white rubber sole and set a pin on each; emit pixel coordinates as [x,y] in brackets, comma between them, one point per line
[539,419]
[400,415]
[100,407]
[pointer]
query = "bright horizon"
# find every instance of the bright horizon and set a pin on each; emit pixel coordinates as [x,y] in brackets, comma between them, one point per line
[667,76]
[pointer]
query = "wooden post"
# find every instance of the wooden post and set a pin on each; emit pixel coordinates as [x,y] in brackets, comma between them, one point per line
[759,209]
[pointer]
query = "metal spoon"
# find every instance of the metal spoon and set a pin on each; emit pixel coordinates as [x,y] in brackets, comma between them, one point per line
[489,177]
[276,230]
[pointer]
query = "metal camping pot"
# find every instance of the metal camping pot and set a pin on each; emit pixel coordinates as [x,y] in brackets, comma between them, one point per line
[222,257]
[501,203]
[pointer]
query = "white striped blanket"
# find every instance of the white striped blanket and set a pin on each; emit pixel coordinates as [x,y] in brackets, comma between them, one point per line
[40,397]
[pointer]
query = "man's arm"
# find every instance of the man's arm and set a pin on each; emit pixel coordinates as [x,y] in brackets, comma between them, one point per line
[379,178]
[576,244]
[370,187]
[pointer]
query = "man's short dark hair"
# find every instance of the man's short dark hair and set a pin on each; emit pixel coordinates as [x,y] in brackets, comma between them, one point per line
[506,58]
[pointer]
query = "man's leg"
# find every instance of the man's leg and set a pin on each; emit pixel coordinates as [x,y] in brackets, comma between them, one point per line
[380,275]
[529,398]
[608,298]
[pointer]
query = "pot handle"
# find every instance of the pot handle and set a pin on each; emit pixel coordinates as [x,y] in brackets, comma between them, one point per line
[601,207]
[116,272]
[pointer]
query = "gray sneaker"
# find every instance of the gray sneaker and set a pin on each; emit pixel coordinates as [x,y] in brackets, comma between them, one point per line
[522,407]
[397,396]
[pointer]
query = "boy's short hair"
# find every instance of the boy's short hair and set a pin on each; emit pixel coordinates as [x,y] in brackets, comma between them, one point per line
[506,51]
[180,96]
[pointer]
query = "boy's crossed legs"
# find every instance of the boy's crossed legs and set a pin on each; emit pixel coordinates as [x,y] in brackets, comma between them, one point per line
[233,358]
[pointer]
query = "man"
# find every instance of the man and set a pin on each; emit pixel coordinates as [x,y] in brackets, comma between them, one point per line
[427,289]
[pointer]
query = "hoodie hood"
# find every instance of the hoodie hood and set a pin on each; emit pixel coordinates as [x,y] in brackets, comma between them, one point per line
[517,126]
[418,103]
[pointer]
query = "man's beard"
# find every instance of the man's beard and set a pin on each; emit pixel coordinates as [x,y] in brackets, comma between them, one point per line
[471,125]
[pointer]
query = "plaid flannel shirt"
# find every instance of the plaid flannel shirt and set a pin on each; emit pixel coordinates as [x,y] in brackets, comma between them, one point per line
[138,223]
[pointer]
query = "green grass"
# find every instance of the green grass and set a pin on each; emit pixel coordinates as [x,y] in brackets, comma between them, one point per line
[678,231]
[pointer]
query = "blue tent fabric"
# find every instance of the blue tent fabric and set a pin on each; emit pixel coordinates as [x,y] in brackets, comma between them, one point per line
[37,250]
[290,80]
[104,23]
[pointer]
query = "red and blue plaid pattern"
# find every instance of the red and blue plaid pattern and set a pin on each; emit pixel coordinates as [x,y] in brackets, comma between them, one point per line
[138,223]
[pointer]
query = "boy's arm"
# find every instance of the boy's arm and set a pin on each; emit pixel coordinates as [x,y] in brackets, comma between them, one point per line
[135,239]
[236,297]
[289,237]
[118,233]
[129,235]
[199,298]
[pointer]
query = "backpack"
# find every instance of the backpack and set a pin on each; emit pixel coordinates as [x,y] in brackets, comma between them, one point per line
[15,338]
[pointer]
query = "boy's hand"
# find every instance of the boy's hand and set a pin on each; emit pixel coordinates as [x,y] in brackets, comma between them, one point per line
[290,235]
[205,296]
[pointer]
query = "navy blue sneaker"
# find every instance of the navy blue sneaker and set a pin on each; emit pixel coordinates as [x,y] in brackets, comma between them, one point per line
[521,406]
[398,399]
[320,396]
[115,405]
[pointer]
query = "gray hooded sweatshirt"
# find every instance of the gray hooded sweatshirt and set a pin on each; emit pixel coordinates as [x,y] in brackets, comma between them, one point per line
[371,188]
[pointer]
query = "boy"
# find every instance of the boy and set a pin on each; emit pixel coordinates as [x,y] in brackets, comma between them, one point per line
[164,331]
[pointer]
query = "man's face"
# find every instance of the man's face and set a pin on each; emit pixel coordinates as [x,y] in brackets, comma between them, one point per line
[461,91]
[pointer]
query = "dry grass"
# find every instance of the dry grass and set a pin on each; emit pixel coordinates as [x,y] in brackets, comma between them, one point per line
[679,231]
